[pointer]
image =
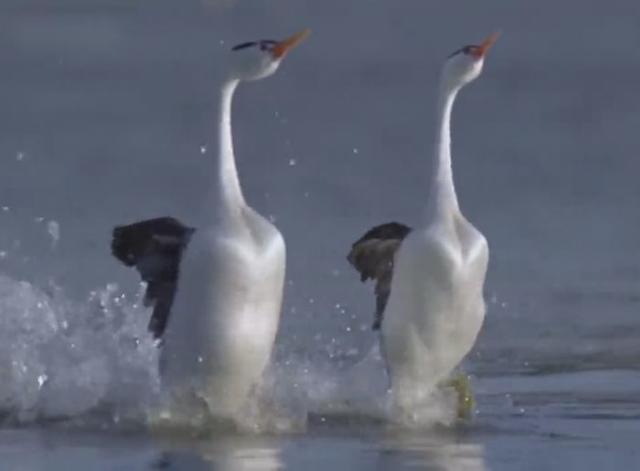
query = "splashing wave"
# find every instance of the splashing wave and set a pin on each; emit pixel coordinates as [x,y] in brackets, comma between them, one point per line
[94,360]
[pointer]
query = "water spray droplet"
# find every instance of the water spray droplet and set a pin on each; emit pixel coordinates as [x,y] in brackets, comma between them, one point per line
[41,380]
[53,228]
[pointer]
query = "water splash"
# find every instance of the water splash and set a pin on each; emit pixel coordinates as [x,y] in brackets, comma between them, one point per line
[61,359]
[94,359]
[53,229]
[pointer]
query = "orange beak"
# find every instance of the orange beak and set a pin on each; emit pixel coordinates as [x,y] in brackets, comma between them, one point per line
[486,44]
[283,47]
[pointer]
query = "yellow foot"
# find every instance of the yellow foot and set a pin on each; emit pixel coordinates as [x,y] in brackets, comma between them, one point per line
[466,403]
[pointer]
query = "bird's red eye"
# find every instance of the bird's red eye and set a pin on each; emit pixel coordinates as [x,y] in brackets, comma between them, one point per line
[475,51]
[267,45]
[467,51]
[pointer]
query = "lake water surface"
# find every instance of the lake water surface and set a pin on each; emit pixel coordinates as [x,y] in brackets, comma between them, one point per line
[107,117]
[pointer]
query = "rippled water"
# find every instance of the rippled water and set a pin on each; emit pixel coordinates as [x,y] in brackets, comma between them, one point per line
[107,118]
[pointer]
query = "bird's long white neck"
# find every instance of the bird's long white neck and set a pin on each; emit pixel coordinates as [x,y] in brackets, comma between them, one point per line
[443,199]
[227,184]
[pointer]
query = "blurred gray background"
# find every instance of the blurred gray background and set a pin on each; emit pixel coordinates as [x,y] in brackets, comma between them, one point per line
[106,104]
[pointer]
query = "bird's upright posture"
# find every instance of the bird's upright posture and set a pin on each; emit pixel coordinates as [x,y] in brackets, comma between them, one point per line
[430,279]
[217,289]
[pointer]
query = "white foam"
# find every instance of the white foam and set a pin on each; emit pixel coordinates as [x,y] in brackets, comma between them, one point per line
[60,358]
[63,359]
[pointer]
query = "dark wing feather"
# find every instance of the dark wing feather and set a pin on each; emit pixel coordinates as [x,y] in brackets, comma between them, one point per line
[373,255]
[155,248]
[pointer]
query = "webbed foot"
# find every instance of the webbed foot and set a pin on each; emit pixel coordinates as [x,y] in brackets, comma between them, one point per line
[462,385]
